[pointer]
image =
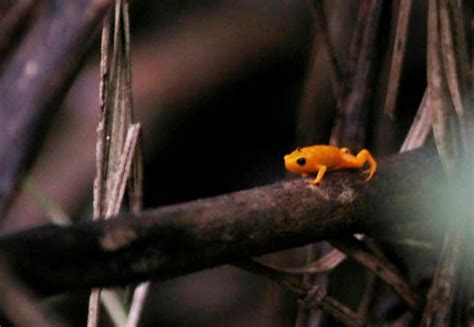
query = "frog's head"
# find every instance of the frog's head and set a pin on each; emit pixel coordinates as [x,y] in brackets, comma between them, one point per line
[296,162]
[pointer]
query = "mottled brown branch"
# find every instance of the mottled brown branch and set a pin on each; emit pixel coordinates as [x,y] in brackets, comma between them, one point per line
[35,80]
[180,239]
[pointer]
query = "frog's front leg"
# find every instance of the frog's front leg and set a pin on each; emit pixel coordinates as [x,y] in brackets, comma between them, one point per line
[321,171]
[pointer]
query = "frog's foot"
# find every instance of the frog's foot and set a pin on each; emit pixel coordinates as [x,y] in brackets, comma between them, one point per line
[319,177]
[370,172]
[314,182]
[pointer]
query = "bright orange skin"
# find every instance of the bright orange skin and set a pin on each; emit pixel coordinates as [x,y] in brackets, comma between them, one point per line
[321,158]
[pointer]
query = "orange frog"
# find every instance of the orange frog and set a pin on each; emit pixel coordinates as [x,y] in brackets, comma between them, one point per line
[320,158]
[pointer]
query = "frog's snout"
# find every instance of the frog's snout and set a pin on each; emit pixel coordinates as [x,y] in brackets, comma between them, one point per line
[287,160]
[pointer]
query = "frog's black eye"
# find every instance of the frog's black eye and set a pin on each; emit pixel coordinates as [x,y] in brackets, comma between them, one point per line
[301,161]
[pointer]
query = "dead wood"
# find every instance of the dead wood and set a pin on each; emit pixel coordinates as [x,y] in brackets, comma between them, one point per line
[179,239]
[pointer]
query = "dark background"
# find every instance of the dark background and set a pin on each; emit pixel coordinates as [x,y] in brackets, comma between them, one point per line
[218,86]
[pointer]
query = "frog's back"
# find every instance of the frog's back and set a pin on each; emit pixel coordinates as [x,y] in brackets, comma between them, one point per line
[320,148]
[327,155]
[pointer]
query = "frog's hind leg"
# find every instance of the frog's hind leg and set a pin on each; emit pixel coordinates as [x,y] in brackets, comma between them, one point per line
[364,156]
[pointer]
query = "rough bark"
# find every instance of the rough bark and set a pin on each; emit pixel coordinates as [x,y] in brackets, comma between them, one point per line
[179,239]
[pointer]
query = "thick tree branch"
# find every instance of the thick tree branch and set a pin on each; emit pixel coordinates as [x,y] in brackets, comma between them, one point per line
[180,239]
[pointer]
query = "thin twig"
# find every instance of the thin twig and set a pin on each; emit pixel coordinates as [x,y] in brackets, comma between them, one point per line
[399,46]
[102,146]
[368,298]
[306,129]
[117,138]
[135,187]
[123,170]
[304,316]
[444,116]
[440,300]
[138,302]
[349,127]
[109,299]
[448,55]
[55,212]
[409,242]
[312,297]
[460,44]
[324,264]
[120,182]
[114,307]
[19,305]
[135,196]
[357,36]
[421,127]
[382,268]
[336,71]
[453,53]
[102,141]
[440,297]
